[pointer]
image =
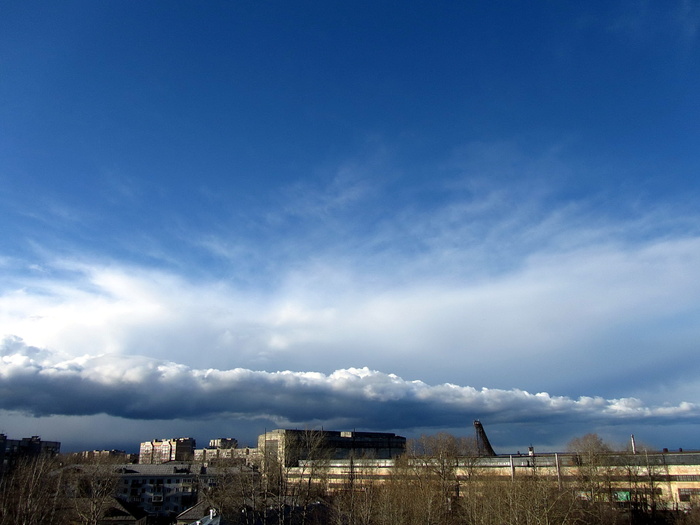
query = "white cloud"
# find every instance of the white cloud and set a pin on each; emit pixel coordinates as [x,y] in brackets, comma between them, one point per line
[136,387]
[544,310]
[483,289]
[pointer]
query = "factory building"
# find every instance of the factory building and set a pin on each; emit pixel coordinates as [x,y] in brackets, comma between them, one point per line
[289,447]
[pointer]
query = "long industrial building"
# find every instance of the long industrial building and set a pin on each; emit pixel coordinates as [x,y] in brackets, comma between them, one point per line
[668,478]
[290,447]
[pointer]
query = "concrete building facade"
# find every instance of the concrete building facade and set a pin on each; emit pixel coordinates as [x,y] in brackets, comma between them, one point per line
[13,449]
[667,480]
[159,451]
[160,490]
[218,449]
[289,447]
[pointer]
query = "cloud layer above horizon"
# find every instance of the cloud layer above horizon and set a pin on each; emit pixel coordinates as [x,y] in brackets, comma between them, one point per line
[531,291]
[585,318]
[37,382]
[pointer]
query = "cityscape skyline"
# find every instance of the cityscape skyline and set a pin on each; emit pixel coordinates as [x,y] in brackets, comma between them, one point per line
[238,217]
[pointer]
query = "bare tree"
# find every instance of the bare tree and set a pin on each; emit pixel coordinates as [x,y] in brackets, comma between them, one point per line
[91,487]
[29,492]
[357,502]
[596,473]
[311,456]
[237,491]
[442,462]
[589,446]
[403,498]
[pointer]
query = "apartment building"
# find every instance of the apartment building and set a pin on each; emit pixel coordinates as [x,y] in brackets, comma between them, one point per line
[219,449]
[159,451]
[161,490]
[13,449]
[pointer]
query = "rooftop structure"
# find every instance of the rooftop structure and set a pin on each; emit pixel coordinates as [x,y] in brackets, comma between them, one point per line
[219,449]
[223,443]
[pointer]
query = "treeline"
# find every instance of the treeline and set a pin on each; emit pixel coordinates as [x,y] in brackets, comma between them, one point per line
[44,490]
[434,483]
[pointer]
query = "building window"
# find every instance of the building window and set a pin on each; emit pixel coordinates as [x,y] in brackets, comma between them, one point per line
[687,494]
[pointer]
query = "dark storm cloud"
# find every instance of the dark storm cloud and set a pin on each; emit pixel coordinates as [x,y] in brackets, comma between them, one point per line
[40,383]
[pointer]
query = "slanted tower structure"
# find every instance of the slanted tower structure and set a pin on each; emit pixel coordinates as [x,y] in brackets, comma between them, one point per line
[483,446]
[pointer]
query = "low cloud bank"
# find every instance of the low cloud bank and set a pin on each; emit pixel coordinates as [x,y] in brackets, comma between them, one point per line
[41,383]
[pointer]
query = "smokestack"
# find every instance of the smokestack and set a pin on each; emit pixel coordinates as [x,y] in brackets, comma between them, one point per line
[634,445]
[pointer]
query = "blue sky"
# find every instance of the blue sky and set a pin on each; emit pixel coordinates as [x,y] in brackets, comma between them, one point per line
[221,217]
